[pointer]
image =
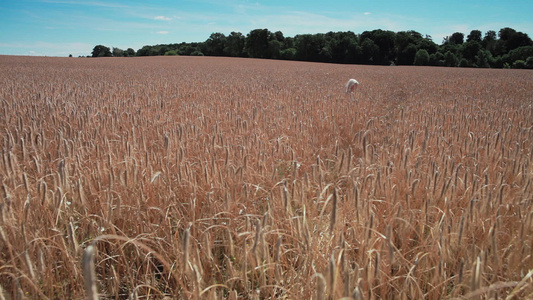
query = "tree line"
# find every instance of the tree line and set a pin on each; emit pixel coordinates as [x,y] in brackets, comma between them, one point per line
[507,48]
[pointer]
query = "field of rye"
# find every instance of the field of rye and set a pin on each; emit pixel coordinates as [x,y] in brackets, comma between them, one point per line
[219,178]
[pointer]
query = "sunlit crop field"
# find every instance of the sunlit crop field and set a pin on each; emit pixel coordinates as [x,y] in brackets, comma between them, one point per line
[215,178]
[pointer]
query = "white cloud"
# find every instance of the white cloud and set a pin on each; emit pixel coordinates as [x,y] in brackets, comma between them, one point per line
[163,32]
[366,13]
[162,18]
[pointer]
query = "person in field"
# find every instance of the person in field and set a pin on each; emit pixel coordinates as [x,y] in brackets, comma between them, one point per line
[351,86]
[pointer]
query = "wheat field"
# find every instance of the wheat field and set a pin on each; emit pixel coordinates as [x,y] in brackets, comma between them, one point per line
[219,178]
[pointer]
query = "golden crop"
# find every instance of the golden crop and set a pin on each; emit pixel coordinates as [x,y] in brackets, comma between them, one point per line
[210,178]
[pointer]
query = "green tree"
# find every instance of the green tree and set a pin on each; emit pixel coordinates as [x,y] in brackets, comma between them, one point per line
[520,53]
[144,51]
[529,62]
[215,44]
[117,52]
[159,50]
[483,58]
[463,63]
[517,40]
[342,46]
[288,54]
[499,48]
[403,39]
[489,41]
[457,38]
[370,51]
[519,64]
[278,35]
[407,55]
[513,39]
[130,52]
[256,43]
[436,59]
[475,35]
[189,48]
[498,62]
[506,33]
[405,46]
[490,36]
[428,45]
[288,42]
[421,57]
[311,47]
[234,44]
[384,39]
[101,51]
[470,50]
[274,48]
[171,53]
[450,60]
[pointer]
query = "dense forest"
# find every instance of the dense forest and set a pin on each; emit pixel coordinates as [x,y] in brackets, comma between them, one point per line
[507,48]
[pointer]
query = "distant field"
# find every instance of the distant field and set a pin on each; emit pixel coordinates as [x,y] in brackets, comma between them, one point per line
[212,178]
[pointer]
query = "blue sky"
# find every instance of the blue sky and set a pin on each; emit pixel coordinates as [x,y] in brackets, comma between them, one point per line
[63,27]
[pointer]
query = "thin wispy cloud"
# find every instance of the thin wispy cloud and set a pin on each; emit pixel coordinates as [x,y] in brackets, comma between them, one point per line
[162,18]
[162,32]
